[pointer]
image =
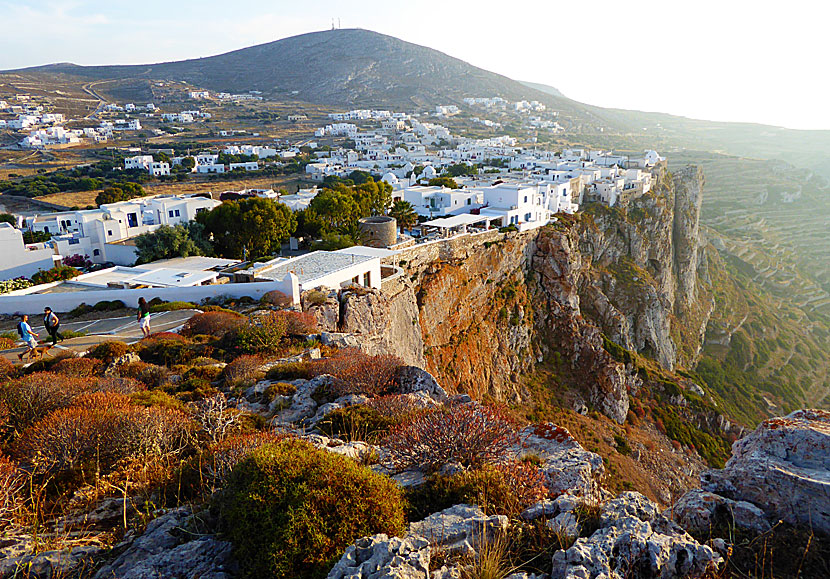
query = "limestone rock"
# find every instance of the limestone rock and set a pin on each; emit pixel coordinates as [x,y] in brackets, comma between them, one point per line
[18,559]
[303,406]
[698,511]
[412,379]
[783,467]
[569,468]
[382,557]
[626,545]
[459,528]
[164,552]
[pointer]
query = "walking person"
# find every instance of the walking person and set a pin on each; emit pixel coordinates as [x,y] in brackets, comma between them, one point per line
[144,316]
[53,324]
[28,335]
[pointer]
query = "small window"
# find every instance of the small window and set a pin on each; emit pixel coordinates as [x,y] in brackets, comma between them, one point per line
[170,213]
[96,252]
[109,232]
[177,213]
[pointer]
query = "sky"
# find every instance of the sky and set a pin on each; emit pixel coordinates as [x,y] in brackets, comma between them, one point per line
[727,60]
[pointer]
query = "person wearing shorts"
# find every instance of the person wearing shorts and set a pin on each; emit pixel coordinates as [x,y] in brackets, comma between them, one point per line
[144,316]
[28,336]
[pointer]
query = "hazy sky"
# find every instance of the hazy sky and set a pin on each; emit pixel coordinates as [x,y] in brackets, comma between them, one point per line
[730,60]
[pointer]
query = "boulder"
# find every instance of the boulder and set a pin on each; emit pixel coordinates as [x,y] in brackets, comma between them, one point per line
[783,467]
[382,557]
[459,529]
[354,449]
[18,558]
[413,379]
[635,540]
[699,511]
[569,468]
[303,406]
[166,551]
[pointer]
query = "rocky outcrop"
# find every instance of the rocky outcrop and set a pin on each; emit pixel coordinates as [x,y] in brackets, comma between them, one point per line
[783,467]
[167,551]
[568,468]
[381,557]
[698,511]
[459,529]
[635,540]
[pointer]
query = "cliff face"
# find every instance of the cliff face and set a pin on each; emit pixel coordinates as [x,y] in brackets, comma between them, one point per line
[644,272]
[481,312]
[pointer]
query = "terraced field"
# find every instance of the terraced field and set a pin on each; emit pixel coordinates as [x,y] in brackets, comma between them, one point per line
[767,341]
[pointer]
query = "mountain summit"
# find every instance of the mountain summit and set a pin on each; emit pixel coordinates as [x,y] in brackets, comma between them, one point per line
[333,67]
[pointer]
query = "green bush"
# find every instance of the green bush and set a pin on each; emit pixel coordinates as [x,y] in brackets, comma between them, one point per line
[173,306]
[108,306]
[261,335]
[358,422]
[165,351]
[291,371]
[291,510]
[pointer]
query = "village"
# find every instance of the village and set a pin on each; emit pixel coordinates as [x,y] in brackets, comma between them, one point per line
[454,185]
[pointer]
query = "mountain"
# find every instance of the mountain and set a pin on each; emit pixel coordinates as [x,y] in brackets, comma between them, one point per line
[333,67]
[551,90]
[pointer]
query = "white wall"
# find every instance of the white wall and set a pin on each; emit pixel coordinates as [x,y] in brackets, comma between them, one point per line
[343,276]
[17,260]
[21,302]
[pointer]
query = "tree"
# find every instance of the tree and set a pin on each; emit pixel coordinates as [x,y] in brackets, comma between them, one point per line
[257,225]
[8,218]
[460,169]
[168,242]
[119,192]
[444,181]
[188,163]
[335,206]
[404,213]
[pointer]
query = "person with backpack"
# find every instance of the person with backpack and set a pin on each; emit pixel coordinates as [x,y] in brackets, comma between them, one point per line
[52,323]
[29,337]
[144,316]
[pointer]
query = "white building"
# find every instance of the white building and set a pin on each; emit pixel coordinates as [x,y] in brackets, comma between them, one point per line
[20,259]
[248,166]
[217,168]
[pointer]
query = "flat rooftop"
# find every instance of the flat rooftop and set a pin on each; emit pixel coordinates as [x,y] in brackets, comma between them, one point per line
[317,264]
[195,263]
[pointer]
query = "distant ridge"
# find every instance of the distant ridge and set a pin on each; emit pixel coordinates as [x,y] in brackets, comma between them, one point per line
[333,67]
[544,88]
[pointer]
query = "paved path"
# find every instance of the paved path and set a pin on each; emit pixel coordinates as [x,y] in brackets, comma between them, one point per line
[123,329]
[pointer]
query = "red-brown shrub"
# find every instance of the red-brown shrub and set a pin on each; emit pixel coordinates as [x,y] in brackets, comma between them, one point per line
[394,405]
[277,298]
[7,343]
[86,367]
[215,324]
[109,351]
[32,397]
[7,369]
[298,323]
[468,434]
[359,373]
[104,401]
[12,482]
[243,371]
[117,385]
[151,375]
[78,439]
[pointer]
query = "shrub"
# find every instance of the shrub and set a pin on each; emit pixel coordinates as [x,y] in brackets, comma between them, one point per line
[316,297]
[172,306]
[261,335]
[148,398]
[109,306]
[57,273]
[298,323]
[243,371]
[468,434]
[7,343]
[224,455]
[86,367]
[277,298]
[359,373]
[397,406]
[80,310]
[12,484]
[108,352]
[7,369]
[357,422]
[11,285]
[215,324]
[280,389]
[117,385]
[34,396]
[165,350]
[291,509]
[291,371]
[151,375]
[79,440]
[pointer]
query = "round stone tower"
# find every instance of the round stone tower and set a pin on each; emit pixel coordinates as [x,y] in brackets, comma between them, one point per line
[378,231]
